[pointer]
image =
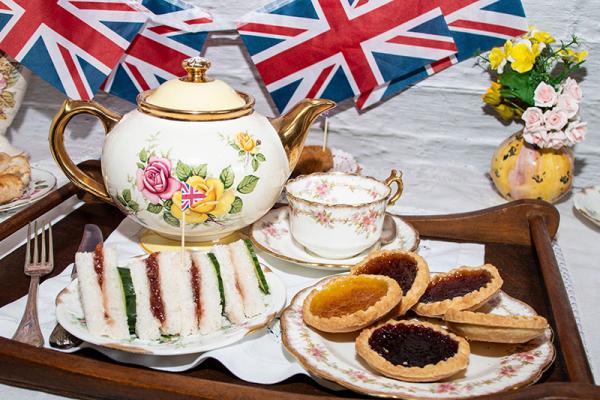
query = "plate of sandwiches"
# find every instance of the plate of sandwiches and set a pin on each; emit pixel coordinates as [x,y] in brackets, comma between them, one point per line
[170,303]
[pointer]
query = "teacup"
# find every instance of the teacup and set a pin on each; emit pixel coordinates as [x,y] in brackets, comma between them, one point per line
[336,215]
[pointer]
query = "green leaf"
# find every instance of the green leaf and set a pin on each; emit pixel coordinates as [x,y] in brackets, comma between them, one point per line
[254,164]
[200,170]
[247,184]
[236,206]
[154,208]
[227,176]
[235,146]
[170,219]
[517,85]
[134,206]
[143,156]
[167,205]
[183,171]
[261,157]
[121,200]
[127,195]
[140,165]
[242,153]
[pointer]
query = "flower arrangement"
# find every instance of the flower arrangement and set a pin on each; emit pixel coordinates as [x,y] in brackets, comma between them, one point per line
[533,85]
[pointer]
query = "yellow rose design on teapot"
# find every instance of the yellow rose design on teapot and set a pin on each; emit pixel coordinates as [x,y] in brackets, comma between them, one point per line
[217,202]
[248,148]
[246,142]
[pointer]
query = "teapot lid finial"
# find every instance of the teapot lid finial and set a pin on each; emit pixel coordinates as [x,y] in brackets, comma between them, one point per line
[196,67]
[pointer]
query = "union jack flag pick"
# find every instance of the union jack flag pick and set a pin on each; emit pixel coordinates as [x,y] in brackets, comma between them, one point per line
[190,196]
[336,49]
[476,26]
[72,44]
[176,31]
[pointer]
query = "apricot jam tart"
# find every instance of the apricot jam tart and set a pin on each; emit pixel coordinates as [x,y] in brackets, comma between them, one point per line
[413,351]
[462,288]
[349,303]
[408,269]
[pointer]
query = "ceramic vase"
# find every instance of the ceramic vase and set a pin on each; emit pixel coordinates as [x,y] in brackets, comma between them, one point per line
[521,170]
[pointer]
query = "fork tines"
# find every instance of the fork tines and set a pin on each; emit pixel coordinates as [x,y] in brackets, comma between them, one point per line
[37,261]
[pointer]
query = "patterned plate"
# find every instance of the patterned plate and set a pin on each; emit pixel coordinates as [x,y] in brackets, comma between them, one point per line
[42,182]
[69,314]
[271,234]
[492,367]
[587,202]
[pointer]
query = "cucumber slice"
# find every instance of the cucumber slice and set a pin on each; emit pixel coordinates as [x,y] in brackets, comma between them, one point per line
[262,281]
[129,294]
[215,264]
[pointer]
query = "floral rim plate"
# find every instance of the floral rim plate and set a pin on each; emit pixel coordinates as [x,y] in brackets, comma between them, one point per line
[271,234]
[587,202]
[70,315]
[492,367]
[42,182]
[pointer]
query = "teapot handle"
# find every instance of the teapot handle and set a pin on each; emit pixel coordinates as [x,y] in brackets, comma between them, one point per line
[69,109]
[395,177]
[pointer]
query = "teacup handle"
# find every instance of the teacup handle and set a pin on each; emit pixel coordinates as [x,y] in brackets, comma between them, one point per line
[395,177]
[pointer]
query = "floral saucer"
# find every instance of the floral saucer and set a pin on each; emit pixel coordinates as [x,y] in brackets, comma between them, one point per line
[271,234]
[69,313]
[587,202]
[42,182]
[492,367]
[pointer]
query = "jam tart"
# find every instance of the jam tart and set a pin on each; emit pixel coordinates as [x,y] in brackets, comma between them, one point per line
[408,269]
[462,288]
[484,327]
[413,351]
[350,302]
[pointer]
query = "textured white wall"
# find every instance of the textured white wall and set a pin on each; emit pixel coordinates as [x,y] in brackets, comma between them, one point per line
[439,121]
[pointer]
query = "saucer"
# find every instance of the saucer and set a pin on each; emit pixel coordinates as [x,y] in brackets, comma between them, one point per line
[271,234]
[587,202]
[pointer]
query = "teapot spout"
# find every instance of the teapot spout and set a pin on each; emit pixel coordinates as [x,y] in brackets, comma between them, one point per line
[293,126]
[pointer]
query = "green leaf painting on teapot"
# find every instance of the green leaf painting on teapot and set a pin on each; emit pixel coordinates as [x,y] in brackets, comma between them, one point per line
[159,181]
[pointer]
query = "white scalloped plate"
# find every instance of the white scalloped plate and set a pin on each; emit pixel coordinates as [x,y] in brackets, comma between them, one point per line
[492,367]
[69,314]
[587,202]
[42,182]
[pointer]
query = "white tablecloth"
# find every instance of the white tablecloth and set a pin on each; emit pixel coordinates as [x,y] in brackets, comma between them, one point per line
[456,190]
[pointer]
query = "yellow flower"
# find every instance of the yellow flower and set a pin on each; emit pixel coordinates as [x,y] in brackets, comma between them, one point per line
[582,55]
[543,37]
[245,141]
[505,112]
[216,203]
[571,55]
[523,56]
[496,58]
[492,95]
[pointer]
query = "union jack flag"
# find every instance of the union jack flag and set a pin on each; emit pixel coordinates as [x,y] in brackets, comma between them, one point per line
[176,31]
[72,44]
[189,196]
[476,26]
[337,49]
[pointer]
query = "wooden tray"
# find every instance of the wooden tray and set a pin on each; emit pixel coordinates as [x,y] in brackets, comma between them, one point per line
[517,239]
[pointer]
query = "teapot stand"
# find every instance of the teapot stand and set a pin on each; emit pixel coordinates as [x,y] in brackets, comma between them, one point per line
[152,242]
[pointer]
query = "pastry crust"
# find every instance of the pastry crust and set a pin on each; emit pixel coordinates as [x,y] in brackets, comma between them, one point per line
[419,284]
[428,373]
[11,188]
[358,319]
[484,327]
[469,301]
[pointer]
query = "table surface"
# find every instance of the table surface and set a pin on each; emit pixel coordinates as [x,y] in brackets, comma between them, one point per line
[447,190]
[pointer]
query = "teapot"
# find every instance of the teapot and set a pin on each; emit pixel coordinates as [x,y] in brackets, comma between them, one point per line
[196,130]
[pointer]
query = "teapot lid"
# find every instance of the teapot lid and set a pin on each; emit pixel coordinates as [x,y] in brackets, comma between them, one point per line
[195,95]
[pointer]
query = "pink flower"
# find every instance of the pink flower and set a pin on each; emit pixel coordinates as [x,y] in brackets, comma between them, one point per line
[538,137]
[533,117]
[571,88]
[558,139]
[155,181]
[568,104]
[544,95]
[556,118]
[508,370]
[525,357]
[575,132]
[445,387]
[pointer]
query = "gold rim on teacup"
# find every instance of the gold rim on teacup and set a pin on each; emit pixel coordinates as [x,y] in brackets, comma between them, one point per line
[395,177]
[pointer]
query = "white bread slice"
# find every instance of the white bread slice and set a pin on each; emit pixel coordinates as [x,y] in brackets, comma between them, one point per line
[211,319]
[183,279]
[147,327]
[103,306]
[234,306]
[246,279]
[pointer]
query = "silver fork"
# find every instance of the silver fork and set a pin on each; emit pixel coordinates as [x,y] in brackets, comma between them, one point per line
[29,331]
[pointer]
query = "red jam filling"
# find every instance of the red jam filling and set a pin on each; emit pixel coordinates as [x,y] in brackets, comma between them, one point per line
[99,264]
[153,274]
[400,267]
[456,285]
[195,272]
[412,345]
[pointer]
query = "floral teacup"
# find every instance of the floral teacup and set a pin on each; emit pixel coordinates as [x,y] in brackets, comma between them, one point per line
[339,215]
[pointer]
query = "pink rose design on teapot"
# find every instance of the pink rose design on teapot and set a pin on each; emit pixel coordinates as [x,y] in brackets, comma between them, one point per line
[155,181]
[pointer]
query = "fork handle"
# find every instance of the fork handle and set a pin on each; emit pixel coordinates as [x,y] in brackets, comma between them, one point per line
[29,331]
